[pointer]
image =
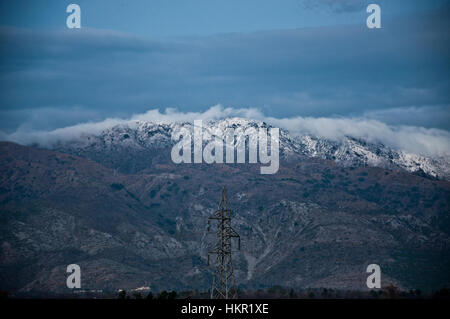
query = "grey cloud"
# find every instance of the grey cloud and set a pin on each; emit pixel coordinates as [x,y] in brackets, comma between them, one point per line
[49,117]
[428,116]
[316,72]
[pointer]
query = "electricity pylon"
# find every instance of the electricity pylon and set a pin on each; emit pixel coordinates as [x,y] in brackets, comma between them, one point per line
[223,286]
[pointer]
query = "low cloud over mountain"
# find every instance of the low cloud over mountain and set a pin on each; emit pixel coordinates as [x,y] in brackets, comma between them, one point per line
[413,139]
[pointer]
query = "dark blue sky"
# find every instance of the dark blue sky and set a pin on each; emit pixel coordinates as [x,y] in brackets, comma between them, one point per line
[287,58]
[156,18]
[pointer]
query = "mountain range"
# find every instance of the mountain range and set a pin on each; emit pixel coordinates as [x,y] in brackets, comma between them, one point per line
[115,204]
[140,137]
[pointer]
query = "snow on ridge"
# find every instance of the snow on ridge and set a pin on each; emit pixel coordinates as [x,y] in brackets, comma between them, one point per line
[350,151]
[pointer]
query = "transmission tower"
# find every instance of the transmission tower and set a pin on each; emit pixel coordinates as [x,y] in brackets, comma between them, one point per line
[223,286]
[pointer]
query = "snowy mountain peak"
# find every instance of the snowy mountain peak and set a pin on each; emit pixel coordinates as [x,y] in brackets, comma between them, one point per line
[146,135]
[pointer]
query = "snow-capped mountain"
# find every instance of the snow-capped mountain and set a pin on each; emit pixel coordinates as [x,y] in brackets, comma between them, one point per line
[142,137]
[354,152]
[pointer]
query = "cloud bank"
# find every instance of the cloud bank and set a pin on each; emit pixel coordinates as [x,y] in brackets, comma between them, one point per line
[413,139]
[344,70]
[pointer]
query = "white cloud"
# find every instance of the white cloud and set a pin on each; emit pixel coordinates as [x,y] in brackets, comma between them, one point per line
[414,139]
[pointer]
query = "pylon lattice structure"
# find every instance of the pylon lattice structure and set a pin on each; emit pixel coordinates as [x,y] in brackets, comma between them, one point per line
[223,286]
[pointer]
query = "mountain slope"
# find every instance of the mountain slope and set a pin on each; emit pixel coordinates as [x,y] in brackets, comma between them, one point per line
[313,224]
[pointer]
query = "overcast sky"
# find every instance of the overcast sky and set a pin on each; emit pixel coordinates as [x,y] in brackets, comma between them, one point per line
[285,58]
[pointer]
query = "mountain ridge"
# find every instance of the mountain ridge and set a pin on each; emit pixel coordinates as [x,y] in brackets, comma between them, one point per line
[144,135]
